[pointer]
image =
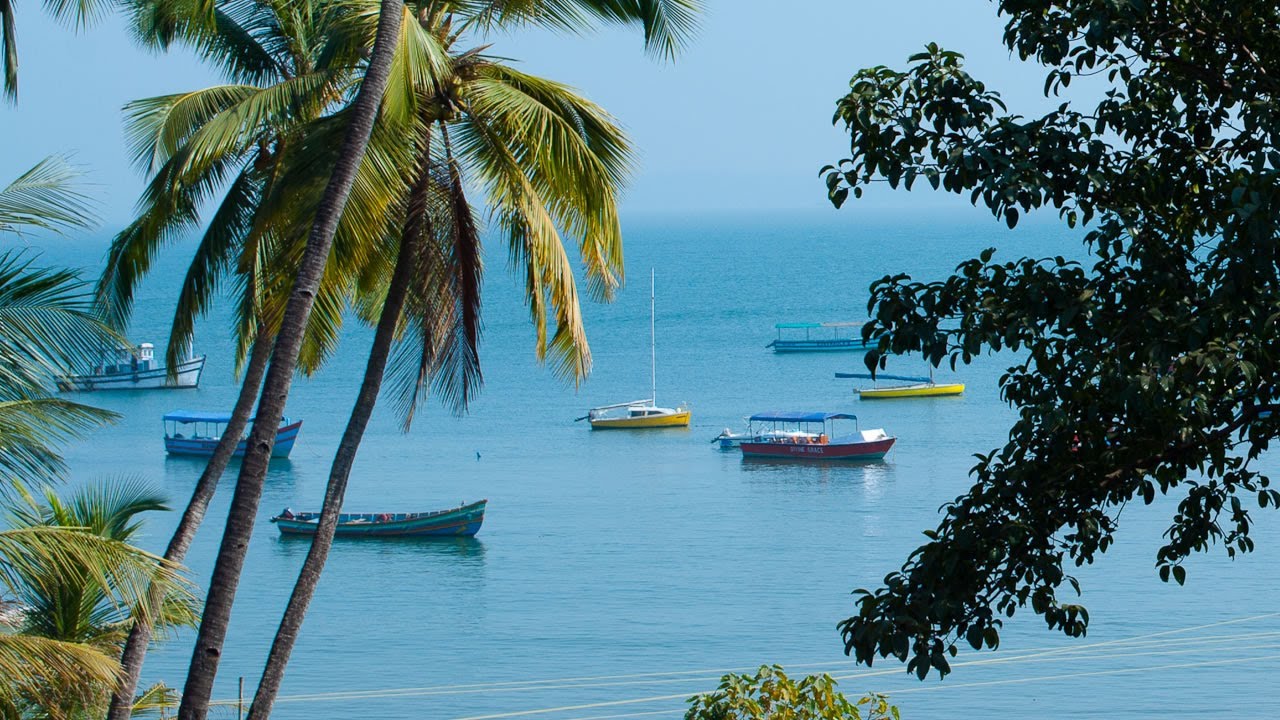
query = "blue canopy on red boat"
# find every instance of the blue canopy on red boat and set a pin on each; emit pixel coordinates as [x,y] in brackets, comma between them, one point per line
[793,416]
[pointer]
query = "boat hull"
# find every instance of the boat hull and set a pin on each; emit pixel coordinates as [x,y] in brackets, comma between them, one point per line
[188,376]
[204,447]
[912,391]
[677,419]
[873,450]
[809,346]
[463,521]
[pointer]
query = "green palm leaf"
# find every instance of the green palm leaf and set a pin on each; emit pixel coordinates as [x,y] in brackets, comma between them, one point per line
[9,49]
[31,665]
[44,197]
[32,428]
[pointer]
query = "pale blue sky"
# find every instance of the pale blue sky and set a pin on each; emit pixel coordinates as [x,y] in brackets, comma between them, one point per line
[741,122]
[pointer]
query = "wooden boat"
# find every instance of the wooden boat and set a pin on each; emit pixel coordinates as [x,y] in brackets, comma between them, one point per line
[196,433]
[916,387]
[462,521]
[812,436]
[789,340]
[128,368]
[640,414]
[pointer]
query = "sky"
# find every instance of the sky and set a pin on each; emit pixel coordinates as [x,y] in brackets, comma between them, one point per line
[740,122]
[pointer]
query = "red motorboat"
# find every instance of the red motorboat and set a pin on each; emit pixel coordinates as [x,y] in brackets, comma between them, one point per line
[813,436]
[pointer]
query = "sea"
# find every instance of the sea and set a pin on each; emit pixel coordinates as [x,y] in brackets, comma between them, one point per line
[618,574]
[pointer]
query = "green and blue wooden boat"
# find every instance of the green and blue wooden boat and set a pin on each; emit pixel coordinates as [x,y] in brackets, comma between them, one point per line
[813,337]
[462,521]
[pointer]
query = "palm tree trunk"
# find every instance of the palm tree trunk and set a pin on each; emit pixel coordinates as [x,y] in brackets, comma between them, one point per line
[135,649]
[198,690]
[411,242]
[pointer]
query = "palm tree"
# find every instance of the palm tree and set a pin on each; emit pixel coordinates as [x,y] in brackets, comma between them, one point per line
[275,54]
[546,158]
[253,467]
[255,110]
[74,585]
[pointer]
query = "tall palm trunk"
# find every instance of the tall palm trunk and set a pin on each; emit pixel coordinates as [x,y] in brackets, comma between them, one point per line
[411,242]
[198,690]
[135,649]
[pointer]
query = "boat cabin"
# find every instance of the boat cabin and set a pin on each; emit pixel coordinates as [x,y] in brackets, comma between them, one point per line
[125,359]
[201,425]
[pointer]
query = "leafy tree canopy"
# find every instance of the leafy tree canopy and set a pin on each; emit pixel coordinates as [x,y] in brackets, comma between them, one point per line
[1148,370]
[771,695]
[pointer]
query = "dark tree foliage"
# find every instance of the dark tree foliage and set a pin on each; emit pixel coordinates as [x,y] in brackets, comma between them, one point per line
[1147,371]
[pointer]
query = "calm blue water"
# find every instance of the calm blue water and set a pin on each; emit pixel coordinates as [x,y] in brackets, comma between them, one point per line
[618,573]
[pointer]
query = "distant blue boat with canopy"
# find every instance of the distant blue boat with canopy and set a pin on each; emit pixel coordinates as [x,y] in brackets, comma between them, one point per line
[462,521]
[814,337]
[197,432]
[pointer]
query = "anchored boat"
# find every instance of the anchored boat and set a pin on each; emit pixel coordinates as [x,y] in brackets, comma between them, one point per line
[640,414]
[916,387]
[197,433]
[816,338]
[462,521]
[812,436]
[130,368]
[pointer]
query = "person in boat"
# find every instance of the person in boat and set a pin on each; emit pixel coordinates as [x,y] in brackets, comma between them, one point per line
[287,514]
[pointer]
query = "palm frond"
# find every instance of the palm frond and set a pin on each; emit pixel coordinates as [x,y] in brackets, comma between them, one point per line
[534,245]
[123,571]
[78,12]
[668,25]
[571,150]
[156,127]
[31,666]
[156,701]
[215,257]
[169,209]
[32,429]
[243,125]
[47,326]
[9,48]
[108,509]
[45,197]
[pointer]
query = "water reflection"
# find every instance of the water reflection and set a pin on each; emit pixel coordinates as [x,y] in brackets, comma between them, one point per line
[873,473]
[468,551]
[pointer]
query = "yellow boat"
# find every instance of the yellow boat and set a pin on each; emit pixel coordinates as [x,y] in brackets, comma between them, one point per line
[918,387]
[910,391]
[640,414]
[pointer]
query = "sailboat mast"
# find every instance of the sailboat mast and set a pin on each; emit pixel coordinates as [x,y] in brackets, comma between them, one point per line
[653,352]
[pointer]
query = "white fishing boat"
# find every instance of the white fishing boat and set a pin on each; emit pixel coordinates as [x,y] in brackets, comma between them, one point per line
[640,414]
[133,368]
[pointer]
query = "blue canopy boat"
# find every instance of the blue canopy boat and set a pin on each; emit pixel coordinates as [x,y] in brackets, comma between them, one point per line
[791,342]
[197,433]
[462,521]
[812,436]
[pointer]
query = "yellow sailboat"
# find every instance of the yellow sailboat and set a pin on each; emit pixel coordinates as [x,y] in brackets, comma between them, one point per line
[640,414]
[917,387]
